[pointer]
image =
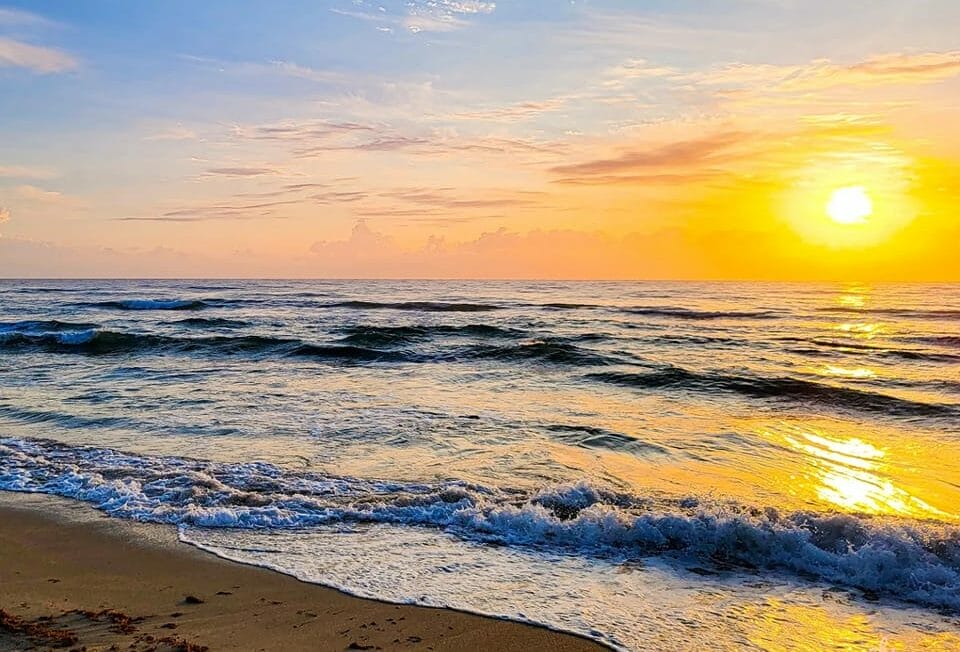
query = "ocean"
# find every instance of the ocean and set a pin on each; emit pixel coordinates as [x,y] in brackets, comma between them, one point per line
[668,466]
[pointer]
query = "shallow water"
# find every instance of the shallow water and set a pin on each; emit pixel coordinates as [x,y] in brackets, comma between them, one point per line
[649,464]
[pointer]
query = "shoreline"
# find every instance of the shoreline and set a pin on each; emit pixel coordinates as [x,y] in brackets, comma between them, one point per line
[74,578]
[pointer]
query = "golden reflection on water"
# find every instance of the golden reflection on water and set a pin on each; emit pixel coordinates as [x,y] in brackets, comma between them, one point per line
[852,474]
[860,330]
[778,626]
[855,373]
[853,298]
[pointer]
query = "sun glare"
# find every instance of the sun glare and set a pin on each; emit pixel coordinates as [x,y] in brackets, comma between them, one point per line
[850,205]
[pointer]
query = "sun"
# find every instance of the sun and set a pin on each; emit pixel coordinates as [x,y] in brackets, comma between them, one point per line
[850,205]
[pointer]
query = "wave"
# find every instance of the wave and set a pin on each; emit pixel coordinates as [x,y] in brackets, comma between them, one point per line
[600,438]
[908,560]
[687,313]
[915,313]
[394,335]
[948,341]
[106,342]
[44,326]
[358,347]
[569,306]
[784,388]
[208,322]
[419,306]
[151,304]
[847,346]
[354,354]
[552,351]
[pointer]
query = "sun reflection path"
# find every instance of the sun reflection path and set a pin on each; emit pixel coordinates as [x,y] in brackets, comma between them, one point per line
[850,473]
[858,373]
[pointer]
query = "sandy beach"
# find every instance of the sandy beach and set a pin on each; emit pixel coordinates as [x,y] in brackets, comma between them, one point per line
[71,578]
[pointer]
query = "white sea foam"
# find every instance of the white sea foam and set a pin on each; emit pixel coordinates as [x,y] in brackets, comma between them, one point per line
[914,561]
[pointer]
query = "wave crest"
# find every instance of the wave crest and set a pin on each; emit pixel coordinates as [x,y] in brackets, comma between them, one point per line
[785,388]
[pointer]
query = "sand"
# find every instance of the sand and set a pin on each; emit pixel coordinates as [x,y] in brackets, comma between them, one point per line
[73,579]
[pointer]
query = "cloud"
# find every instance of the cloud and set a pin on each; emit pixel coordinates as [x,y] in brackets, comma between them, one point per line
[641,69]
[300,131]
[199,218]
[240,172]
[16,54]
[882,69]
[25,172]
[443,198]
[291,69]
[19,17]
[39,195]
[514,112]
[420,15]
[383,144]
[678,154]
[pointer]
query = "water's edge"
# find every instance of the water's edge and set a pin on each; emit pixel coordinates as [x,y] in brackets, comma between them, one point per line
[166,536]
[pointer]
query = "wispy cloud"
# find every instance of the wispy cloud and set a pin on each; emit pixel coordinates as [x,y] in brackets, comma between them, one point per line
[514,112]
[25,172]
[240,172]
[420,15]
[757,78]
[680,154]
[20,17]
[890,68]
[39,195]
[17,54]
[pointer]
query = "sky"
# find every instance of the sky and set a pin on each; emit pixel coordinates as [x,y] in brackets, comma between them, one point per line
[580,139]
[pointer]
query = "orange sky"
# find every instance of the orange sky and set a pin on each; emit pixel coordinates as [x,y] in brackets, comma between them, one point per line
[481,139]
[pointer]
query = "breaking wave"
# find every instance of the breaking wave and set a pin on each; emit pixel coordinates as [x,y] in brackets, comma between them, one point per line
[909,560]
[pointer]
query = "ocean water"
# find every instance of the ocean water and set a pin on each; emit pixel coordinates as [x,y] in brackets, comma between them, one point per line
[668,466]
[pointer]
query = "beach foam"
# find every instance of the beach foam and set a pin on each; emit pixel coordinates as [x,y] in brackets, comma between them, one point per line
[914,561]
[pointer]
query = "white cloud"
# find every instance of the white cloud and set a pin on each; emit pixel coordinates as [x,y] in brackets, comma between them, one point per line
[16,54]
[39,195]
[421,15]
[18,17]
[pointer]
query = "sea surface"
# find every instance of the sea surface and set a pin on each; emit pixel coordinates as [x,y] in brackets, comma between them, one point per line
[668,466]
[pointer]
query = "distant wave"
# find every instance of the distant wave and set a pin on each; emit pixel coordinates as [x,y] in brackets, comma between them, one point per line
[366,335]
[357,348]
[553,351]
[907,560]
[151,304]
[106,342]
[784,388]
[569,306]
[208,322]
[348,353]
[851,346]
[687,313]
[948,341]
[941,313]
[43,326]
[419,306]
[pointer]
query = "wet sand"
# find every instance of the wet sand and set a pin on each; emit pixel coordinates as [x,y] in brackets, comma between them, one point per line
[72,579]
